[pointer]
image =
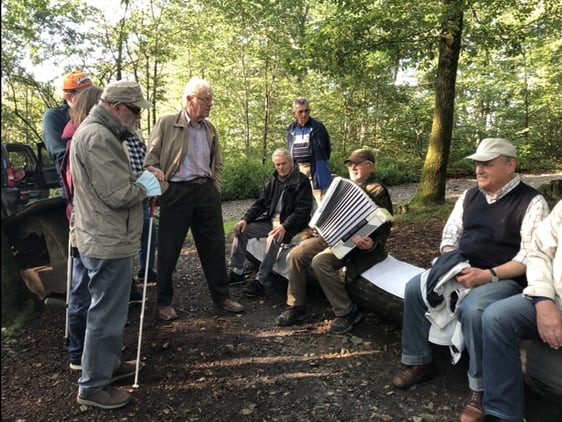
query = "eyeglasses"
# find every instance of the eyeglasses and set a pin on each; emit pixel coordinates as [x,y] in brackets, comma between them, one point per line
[133,109]
[306,110]
[360,164]
[205,100]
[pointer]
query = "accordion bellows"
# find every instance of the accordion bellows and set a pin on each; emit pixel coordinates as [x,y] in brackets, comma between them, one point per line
[346,211]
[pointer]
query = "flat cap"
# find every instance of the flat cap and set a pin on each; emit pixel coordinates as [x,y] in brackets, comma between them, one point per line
[491,148]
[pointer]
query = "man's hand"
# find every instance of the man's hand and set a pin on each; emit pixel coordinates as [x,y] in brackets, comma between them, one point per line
[157,172]
[473,277]
[240,226]
[363,242]
[278,233]
[549,323]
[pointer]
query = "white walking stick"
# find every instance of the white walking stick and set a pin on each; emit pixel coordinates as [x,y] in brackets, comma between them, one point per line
[146,268]
[68,287]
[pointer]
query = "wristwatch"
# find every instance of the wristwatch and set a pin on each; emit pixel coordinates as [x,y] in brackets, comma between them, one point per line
[494,276]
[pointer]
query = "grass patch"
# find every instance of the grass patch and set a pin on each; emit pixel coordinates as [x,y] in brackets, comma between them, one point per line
[421,215]
[229,226]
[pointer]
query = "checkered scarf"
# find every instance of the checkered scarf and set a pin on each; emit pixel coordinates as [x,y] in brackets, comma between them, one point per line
[137,152]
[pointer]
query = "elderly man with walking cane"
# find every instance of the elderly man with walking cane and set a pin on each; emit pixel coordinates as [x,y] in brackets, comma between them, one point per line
[108,214]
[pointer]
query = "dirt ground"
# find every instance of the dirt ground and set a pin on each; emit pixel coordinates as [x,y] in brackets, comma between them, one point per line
[213,366]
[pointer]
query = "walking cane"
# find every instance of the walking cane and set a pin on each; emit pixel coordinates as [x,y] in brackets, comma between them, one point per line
[68,287]
[146,268]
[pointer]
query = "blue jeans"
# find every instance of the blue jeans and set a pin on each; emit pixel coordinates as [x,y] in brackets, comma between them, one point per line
[240,245]
[505,323]
[416,349]
[144,240]
[110,283]
[78,304]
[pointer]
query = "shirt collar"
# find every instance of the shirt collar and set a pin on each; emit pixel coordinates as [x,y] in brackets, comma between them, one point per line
[189,123]
[504,190]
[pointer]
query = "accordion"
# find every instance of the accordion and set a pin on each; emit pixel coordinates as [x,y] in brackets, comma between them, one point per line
[346,211]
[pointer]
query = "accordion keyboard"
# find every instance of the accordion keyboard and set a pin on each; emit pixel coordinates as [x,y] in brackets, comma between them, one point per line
[346,211]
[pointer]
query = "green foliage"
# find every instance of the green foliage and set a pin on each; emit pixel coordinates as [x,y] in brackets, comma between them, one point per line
[228,228]
[389,171]
[368,69]
[552,192]
[244,178]
[398,171]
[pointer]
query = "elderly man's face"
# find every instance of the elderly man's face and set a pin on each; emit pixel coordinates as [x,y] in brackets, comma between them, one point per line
[494,174]
[302,113]
[199,106]
[283,165]
[359,172]
[129,114]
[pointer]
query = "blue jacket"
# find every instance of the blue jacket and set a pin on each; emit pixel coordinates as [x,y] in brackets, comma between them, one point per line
[320,149]
[54,121]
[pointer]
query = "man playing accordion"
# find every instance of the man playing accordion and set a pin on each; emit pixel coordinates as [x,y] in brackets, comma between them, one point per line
[315,253]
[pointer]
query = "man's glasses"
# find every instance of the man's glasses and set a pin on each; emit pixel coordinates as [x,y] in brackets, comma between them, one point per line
[205,100]
[306,110]
[360,164]
[133,109]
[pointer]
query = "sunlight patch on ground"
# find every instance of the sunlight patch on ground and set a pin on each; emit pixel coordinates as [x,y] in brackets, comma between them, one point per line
[283,359]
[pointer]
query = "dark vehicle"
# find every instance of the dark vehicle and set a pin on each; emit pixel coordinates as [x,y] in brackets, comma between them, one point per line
[27,176]
[33,224]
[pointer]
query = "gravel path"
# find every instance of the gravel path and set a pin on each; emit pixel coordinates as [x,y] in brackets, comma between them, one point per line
[401,193]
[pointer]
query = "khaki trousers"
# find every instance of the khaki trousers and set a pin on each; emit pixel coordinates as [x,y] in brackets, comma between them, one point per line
[315,253]
[318,194]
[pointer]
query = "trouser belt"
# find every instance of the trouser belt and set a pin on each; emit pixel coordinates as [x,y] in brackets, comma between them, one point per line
[199,180]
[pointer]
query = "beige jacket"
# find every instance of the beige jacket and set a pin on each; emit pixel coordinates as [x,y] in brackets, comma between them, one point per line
[168,146]
[544,261]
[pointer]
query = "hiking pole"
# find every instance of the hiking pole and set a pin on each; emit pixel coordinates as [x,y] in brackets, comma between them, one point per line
[146,268]
[68,287]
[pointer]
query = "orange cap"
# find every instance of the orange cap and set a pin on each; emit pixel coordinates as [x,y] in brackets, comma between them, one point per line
[75,80]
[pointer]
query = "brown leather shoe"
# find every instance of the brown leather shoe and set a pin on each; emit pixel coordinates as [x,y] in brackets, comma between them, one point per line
[167,313]
[230,305]
[473,411]
[411,375]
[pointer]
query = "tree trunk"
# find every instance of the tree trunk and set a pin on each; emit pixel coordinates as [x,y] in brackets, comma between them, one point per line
[431,189]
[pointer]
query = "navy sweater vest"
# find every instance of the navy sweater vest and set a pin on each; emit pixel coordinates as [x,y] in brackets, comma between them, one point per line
[491,232]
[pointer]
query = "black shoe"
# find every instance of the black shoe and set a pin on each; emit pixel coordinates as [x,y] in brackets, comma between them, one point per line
[234,278]
[255,288]
[151,276]
[345,323]
[136,295]
[291,315]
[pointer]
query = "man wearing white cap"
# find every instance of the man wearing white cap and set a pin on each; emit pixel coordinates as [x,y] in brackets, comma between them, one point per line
[492,223]
[108,220]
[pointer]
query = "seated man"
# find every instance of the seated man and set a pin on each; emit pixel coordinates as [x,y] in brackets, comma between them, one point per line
[492,223]
[316,253]
[282,210]
[537,315]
